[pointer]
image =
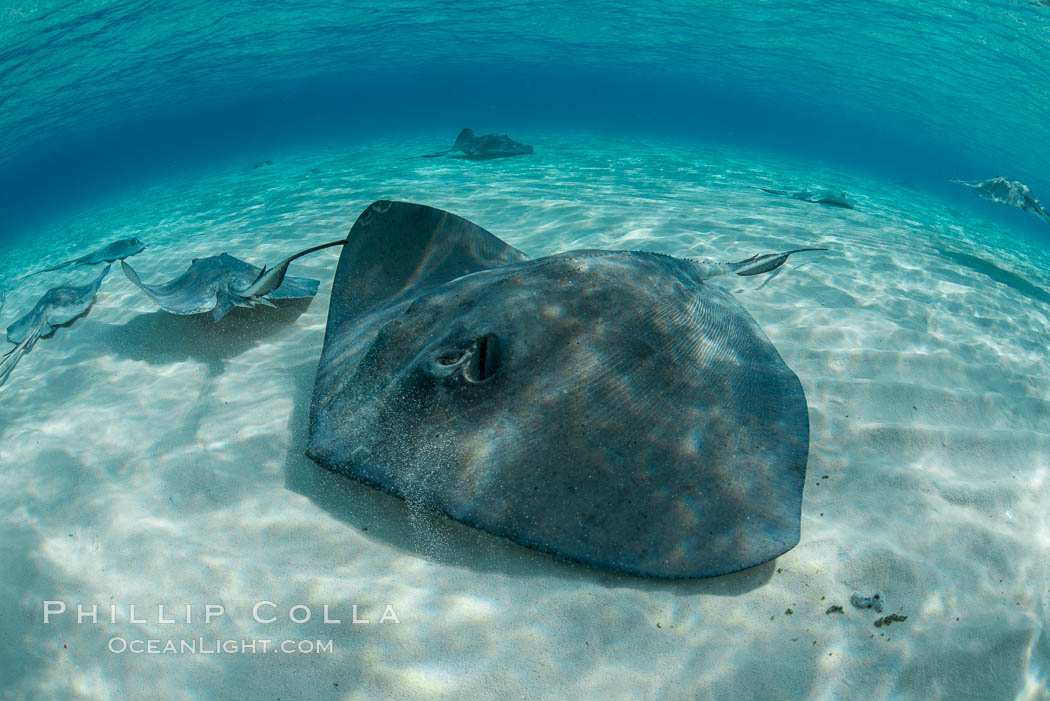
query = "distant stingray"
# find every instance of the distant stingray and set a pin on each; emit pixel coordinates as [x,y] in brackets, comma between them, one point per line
[59,306]
[485,147]
[610,407]
[828,197]
[118,250]
[3,298]
[1009,192]
[220,283]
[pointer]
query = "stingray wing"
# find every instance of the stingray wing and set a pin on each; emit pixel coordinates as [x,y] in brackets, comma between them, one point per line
[67,302]
[118,250]
[210,281]
[830,197]
[493,146]
[32,324]
[295,288]
[195,291]
[59,305]
[396,248]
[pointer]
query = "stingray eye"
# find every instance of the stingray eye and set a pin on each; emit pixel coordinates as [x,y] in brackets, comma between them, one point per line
[446,362]
[451,358]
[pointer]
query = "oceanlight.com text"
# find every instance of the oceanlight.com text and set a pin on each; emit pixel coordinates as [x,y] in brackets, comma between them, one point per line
[203,646]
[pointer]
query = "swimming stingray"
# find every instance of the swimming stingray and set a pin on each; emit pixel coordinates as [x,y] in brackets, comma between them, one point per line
[59,306]
[220,283]
[610,407]
[828,197]
[1010,192]
[118,250]
[480,148]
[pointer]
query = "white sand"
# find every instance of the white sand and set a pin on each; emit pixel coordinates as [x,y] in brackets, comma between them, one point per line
[148,459]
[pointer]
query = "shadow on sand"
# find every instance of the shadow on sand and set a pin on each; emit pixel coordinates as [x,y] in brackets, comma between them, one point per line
[1000,275]
[160,338]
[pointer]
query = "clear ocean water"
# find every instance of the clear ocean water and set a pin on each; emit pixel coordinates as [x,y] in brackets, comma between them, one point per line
[154,460]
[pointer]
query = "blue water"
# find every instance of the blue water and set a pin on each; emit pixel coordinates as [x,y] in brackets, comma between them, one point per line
[99,96]
[147,458]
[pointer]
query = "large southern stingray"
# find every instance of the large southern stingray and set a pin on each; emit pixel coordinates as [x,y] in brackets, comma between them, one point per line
[118,250]
[610,407]
[1008,192]
[828,197]
[484,147]
[220,283]
[57,307]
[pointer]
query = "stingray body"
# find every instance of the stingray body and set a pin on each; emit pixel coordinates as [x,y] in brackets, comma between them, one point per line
[828,197]
[118,250]
[57,307]
[609,407]
[1008,192]
[220,283]
[485,147]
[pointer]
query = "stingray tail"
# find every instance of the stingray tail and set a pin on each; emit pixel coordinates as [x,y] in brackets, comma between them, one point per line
[758,264]
[755,265]
[48,270]
[312,249]
[10,359]
[300,254]
[770,190]
[436,154]
[269,279]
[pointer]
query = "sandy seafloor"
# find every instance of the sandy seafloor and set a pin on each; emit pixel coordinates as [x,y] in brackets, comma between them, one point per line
[150,459]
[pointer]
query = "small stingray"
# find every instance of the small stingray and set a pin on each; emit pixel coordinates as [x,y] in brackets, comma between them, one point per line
[220,283]
[485,147]
[118,250]
[57,307]
[1008,192]
[610,407]
[3,298]
[828,197]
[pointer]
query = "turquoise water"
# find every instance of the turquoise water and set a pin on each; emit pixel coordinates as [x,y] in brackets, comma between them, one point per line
[98,94]
[148,459]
